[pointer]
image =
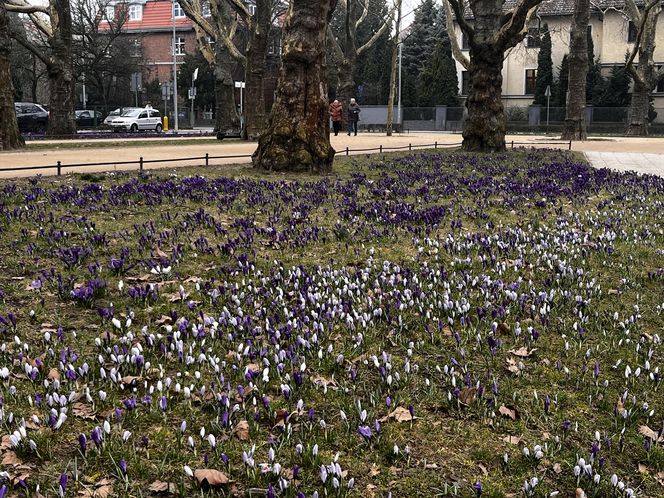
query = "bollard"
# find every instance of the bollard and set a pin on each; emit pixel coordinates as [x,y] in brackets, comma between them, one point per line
[410,146]
[59,168]
[570,145]
[207,159]
[347,151]
[165,123]
[512,144]
[435,144]
[381,149]
[140,163]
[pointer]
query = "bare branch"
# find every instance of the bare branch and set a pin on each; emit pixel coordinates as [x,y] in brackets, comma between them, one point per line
[26,9]
[639,35]
[513,29]
[365,11]
[334,43]
[458,7]
[456,49]
[375,37]
[194,11]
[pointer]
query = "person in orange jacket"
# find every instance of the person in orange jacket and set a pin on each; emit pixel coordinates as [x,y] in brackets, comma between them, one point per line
[336,112]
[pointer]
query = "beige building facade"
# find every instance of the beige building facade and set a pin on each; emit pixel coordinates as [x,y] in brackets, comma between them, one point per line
[612,37]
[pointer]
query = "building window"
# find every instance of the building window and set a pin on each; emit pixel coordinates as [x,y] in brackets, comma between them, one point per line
[211,41]
[631,32]
[533,38]
[179,46]
[135,48]
[177,10]
[464,42]
[110,12]
[135,12]
[252,8]
[465,82]
[205,9]
[531,80]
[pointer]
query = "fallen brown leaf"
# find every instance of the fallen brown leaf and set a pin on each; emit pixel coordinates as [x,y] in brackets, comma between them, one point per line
[580,493]
[374,470]
[212,477]
[242,430]
[102,489]
[522,352]
[467,395]
[508,412]
[503,328]
[400,414]
[11,458]
[83,411]
[648,432]
[642,469]
[319,380]
[512,439]
[557,468]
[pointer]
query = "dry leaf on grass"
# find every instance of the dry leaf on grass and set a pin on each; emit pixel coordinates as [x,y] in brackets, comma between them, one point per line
[508,411]
[11,458]
[648,432]
[161,321]
[212,477]
[557,468]
[281,417]
[128,380]
[580,493]
[512,439]
[447,332]
[643,469]
[503,328]
[242,430]
[467,395]
[514,367]
[374,470]
[101,489]
[162,487]
[522,352]
[83,411]
[319,380]
[483,469]
[400,414]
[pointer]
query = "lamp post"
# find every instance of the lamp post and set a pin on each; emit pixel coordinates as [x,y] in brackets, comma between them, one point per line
[175,73]
[399,96]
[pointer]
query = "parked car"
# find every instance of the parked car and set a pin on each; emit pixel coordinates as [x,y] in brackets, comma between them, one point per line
[116,113]
[88,118]
[135,119]
[31,117]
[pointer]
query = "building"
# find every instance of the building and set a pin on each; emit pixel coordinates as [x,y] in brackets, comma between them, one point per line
[612,33]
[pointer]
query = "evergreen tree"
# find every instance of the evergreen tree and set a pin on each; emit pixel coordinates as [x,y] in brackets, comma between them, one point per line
[594,79]
[616,91]
[560,99]
[418,49]
[372,71]
[544,67]
[437,81]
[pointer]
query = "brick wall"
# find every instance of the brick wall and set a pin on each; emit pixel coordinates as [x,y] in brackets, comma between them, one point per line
[158,56]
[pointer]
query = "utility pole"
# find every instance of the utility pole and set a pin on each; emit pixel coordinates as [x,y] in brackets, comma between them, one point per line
[175,72]
[399,104]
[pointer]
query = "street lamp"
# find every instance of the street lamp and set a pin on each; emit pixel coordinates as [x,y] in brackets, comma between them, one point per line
[175,72]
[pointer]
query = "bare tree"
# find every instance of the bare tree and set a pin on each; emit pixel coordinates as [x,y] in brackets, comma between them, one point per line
[10,137]
[645,74]
[393,69]
[494,30]
[575,119]
[298,135]
[346,49]
[54,22]
[222,56]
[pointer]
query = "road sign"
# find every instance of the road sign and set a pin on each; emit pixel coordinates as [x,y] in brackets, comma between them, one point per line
[192,93]
[239,84]
[195,74]
[547,92]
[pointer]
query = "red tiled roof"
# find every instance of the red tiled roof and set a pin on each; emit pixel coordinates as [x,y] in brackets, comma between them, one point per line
[157,14]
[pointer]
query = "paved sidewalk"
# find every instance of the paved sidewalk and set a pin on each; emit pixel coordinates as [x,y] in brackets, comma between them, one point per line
[652,164]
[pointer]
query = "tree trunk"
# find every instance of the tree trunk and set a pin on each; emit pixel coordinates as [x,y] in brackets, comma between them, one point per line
[393,71]
[575,119]
[227,120]
[10,137]
[256,119]
[638,110]
[62,84]
[485,127]
[298,136]
[346,89]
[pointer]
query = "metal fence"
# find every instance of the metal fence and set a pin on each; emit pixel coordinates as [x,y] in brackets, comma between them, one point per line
[205,160]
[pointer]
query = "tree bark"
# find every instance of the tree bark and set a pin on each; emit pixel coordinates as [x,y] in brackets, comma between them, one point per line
[393,71]
[256,118]
[645,75]
[575,119]
[10,137]
[298,136]
[227,120]
[486,124]
[638,110]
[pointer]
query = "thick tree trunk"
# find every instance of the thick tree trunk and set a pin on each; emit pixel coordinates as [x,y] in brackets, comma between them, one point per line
[575,119]
[10,137]
[638,111]
[256,119]
[393,84]
[485,127]
[227,120]
[298,136]
[62,83]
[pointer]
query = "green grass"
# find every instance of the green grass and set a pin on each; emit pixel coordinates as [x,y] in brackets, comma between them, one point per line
[356,214]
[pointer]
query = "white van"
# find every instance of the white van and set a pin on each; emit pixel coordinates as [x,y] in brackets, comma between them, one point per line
[134,119]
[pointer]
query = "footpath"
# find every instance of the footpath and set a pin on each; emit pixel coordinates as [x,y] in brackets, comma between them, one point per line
[643,155]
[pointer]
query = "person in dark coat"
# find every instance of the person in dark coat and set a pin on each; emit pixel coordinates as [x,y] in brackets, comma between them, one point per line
[336,112]
[353,116]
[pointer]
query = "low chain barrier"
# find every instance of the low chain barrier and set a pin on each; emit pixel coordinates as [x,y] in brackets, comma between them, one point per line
[141,162]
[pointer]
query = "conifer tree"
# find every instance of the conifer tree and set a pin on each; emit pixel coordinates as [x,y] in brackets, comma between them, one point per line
[544,67]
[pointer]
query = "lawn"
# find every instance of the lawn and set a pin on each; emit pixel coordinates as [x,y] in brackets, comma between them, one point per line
[430,324]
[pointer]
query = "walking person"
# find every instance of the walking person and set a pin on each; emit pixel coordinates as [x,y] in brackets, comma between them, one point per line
[353,117]
[336,112]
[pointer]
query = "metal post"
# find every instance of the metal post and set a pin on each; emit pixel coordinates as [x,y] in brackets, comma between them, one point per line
[435,144]
[410,146]
[570,145]
[207,159]
[381,149]
[548,99]
[347,150]
[175,72]
[59,166]
[140,164]
[399,96]
[512,144]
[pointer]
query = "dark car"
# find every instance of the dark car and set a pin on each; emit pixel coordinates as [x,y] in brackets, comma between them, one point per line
[88,118]
[31,117]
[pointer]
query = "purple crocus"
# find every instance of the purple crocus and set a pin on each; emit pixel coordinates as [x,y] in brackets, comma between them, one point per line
[163,404]
[123,466]
[365,431]
[83,443]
